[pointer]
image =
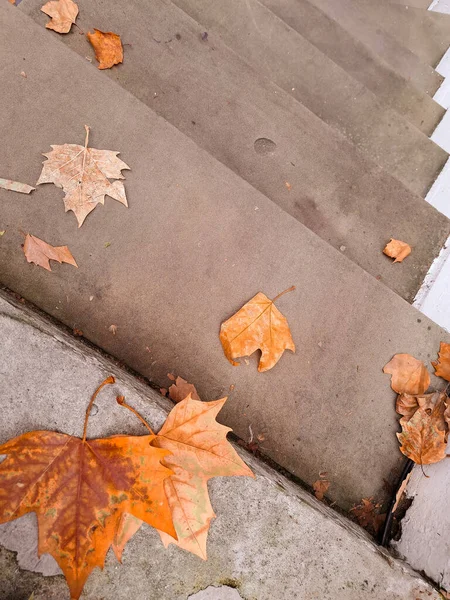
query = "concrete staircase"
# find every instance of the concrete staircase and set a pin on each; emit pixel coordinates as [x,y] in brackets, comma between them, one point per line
[215,218]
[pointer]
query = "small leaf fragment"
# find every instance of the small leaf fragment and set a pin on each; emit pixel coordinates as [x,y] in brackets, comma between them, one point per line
[367,513]
[113,329]
[40,253]
[397,249]
[257,325]
[421,440]
[15,186]
[320,488]
[2,232]
[181,389]
[409,375]
[442,365]
[108,48]
[63,14]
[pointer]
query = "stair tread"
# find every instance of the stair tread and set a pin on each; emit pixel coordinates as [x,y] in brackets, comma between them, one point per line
[190,250]
[209,93]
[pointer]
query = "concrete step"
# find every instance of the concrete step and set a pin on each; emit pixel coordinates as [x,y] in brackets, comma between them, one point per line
[270,540]
[293,63]
[389,48]
[212,95]
[425,33]
[364,64]
[195,244]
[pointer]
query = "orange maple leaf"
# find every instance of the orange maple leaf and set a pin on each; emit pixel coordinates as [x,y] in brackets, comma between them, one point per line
[107,46]
[257,325]
[397,249]
[180,390]
[84,173]
[40,253]
[79,490]
[422,440]
[409,375]
[199,450]
[62,12]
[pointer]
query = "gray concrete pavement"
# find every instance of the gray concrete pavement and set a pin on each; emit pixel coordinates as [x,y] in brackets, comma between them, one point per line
[270,541]
[210,94]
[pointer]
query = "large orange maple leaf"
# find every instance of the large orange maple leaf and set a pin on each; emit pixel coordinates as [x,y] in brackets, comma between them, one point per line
[79,490]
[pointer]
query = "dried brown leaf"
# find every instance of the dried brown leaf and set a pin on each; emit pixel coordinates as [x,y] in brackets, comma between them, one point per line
[409,375]
[320,488]
[398,250]
[401,490]
[39,252]
[257,325]
[433,404]
[108,48]
[367,513]
[421,440]
[63,14]
[181,390]
[84,173]
[15,186]
[442,365]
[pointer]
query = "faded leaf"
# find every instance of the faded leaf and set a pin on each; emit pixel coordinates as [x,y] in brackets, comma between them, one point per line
[433,404]
[320,488]
[257,325]
[79,489]
[84,173]
[409,375]
[421,440]
[401,490]
[442,365]
[367,513]
[108,48]
[40,253]
[63,14]
[181,389]
[200,450]
[398,250]
[15,186]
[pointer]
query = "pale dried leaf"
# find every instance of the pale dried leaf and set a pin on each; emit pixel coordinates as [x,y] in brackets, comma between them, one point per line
[40,253]
[113,329]
[320,488]
[83,173]
[15,186]
[257,325]
[442,365]
[401,490]
[63,14]
[181,389]
[108,48]
[409,375]
[398,250]
[433,404]
[421,440]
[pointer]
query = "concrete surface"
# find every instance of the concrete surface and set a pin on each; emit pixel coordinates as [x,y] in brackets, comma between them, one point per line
[194,245]
[369,32]
[215,98]
[303,71]
[363,64]
[270,540]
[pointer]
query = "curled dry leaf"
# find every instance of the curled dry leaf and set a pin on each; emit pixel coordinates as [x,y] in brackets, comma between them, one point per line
[367,513]
[181,389]
[199,451]
[79,490]
[401,490]
[108,48]
[409,375]
[442,365]
[421,440]
[84,173]
[257,325]
[15,186]
[40,253]
[398,250]
[320,488]
[63,14]
[434,404]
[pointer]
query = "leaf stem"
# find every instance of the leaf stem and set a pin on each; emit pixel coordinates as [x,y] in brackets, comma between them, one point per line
[107,381]
[121,401]
[291,289]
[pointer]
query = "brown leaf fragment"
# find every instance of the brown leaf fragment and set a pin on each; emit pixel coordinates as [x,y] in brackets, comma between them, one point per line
[434,405]
[181,389]
[108,48]
[23,74]
[39,252]
[257,325]
[421,440]
[320,488]
[83,173]
[442,365]
[409,375]
[401,490]
[367,513]
[171,376]
[12,1]
[163,391]
[62,12]
[113,329]
[397,249]
[77,332]
[15,186]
